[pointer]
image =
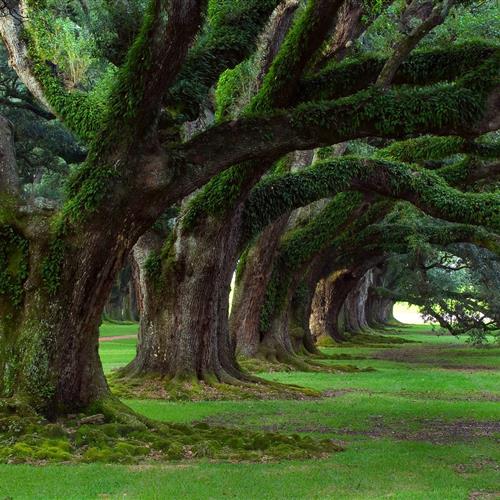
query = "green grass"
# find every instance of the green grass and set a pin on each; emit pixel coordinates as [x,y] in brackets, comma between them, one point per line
[116,329]
[413,429]
[116,353]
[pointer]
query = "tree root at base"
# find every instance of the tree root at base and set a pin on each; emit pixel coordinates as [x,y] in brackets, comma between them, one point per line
[209,388]
[115,434]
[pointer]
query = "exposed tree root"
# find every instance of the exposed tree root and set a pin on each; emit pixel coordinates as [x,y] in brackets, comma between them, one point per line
[289,363]
[372,338]
[115,434]
[208,389]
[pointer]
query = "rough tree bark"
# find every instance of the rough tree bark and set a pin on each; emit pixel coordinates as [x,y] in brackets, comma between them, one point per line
[251,282]
[378,309]
[328,301]
[122,303]
[354,313]
[184,332]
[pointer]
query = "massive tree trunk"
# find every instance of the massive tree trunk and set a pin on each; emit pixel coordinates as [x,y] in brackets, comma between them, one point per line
[49,338]
[251,282]
[330,298]
[354,307]
[48,341]
[49,335]
[53,289]
[378,308]
[122,302]
[287,333]
[184,331]
[300,309]
[378,311]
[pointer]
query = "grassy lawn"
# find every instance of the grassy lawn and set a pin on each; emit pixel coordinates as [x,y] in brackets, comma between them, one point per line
[424,425]
[118,329]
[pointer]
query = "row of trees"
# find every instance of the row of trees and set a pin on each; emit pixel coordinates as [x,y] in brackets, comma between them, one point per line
[261,136]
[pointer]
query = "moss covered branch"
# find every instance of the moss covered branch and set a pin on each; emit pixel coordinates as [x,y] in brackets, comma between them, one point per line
[423,67]
[428,148]
[469,107]
[425,189]
[229,36]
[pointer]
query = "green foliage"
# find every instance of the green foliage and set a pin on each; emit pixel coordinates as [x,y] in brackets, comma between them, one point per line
[423,67]
[230,35]
[58,45]
[65,44]
[13,265]
[234,89]
[465,20]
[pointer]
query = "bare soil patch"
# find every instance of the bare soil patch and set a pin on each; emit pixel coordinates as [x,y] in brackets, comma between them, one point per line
[117,337]
[432,430]
[435,356]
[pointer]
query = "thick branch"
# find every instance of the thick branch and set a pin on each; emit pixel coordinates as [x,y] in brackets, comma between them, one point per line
[469,171]
[423,67]
[424,189]
[229,37]
[410,41]
[28,106]
[443,110]
[306,36]
[11,26]
[163,46]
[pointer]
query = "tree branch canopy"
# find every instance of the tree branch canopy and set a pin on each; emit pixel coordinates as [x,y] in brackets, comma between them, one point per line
[424,189]
[302,42]
[423,67]
[410,41]
[151,66]
[230,35]
[446,109]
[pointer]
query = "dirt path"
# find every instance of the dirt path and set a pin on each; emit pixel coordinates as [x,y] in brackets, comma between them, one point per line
[440,356]
[117,337]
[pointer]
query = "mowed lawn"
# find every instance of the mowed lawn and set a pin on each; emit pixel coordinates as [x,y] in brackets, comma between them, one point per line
[424,425]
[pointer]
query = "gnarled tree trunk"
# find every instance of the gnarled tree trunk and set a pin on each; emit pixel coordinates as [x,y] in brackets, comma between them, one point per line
[184,332]
[49,338]
[355,305]
[251,283]
[288,333]
[333,294]
[122,302]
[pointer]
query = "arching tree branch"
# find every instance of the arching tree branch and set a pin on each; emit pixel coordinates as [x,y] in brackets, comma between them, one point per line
[425,189]
[394,113]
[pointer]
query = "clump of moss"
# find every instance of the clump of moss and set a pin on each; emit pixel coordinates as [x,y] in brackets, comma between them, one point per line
[156,387]
[33,440]
[375,340]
